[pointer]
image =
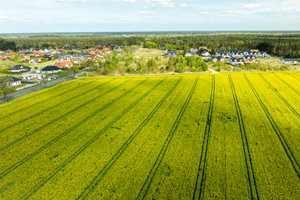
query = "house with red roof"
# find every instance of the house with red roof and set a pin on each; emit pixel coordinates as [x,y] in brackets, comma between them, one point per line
[65,64]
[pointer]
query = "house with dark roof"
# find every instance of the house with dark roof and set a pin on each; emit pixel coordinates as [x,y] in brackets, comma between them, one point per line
[171,53]
[19,68]
[48,56]
[236,61]
[224,54]
[65,58]
[194,49]
[216,59]
[289,61]
[15,81]
[50,69]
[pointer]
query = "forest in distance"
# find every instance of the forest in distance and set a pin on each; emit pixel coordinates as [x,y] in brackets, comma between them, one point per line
[283,44]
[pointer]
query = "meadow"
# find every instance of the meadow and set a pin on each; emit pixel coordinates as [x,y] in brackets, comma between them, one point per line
[205,136]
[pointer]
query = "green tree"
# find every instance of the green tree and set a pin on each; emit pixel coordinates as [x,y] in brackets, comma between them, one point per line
[5,88]
[45,80]
[74,69]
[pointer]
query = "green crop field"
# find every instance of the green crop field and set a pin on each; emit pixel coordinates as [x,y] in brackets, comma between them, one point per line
[207,136]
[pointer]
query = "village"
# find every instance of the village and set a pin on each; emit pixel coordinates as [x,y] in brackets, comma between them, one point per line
[41,65]
[233,57]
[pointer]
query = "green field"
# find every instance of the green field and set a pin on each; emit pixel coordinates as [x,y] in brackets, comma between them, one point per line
[222,136]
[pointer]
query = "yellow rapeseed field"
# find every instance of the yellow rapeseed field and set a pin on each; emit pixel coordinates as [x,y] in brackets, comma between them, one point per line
[206,136]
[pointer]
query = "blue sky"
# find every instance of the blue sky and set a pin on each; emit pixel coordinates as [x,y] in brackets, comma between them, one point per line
[20,16]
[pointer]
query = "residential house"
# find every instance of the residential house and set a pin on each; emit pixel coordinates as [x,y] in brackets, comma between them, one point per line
[34,60]
[171,53]
[78,56]
[65,58]
[187,53]
[205,53]
[93,57]
[194,49]
[289,61]
[216,59]
[236,61]
[263,55]
[75,61]
[249,58]
[58,55]
[49,78]
[15,81]
[33,76]
[48,56]
[50,69]
[65,64]
[19,68]
[224,54]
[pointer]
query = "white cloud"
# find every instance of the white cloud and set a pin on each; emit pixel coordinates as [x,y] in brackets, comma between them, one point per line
[251,5]
[143,12]
[129,1]
[161,3]
[73,0]
[183,5]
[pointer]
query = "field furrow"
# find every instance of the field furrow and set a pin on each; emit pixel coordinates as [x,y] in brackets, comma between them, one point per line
[29,113]
[246,149]
[34,101]
[281,97]
[275,176]
[96,96]
[24,127]
[282,139]
[86,145]
[196,136]
[63,134]
[286,83]
[148,181]
[103,171]
[35,95]
[199,185]
[104,149]
[140,155]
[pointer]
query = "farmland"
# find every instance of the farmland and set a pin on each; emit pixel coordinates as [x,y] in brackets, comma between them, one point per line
[206,136]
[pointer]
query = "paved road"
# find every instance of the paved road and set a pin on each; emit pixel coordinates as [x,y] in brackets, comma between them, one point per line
[41,86]
[213,71]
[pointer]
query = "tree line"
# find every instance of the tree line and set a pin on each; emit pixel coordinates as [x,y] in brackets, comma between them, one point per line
[285,45]
[6,44]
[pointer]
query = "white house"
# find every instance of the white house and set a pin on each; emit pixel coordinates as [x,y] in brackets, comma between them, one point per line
[236,61]
[34,60]
[19,68]
[15,82]
[289,61]
[205,54]
[33,76]
[187,53]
